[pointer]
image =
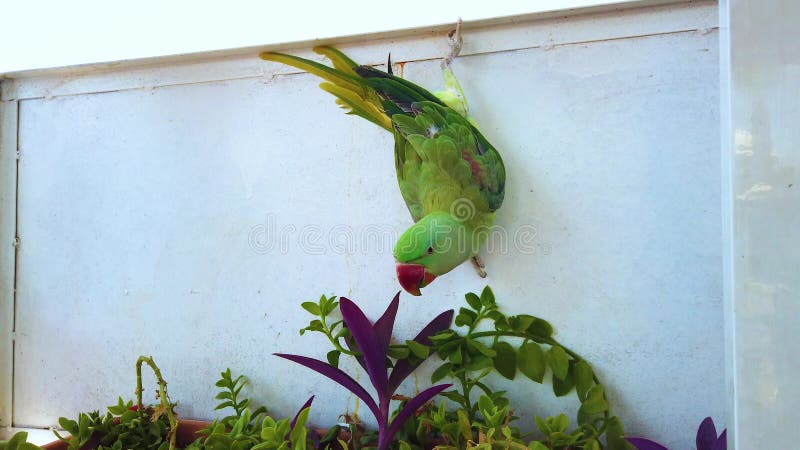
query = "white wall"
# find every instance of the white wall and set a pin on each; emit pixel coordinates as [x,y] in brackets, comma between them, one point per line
[140,191]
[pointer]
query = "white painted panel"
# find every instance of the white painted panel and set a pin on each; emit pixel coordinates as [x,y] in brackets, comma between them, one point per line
[137,210]
[761,145]
[8,200]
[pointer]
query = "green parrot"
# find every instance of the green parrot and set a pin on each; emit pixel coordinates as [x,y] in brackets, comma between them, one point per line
[450,176]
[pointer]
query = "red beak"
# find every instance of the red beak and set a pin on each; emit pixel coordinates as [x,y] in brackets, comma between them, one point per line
[412,277]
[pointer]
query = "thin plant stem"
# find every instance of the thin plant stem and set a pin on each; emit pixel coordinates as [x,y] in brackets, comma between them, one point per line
[162,395]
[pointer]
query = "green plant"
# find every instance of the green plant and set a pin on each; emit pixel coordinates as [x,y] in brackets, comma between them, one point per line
[19,441]
[248,429]
[230,390]
[525,344]
[126,425]
[471,351]
[129,425]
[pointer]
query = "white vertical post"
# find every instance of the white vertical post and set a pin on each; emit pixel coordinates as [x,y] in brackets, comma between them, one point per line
[8,219]
[760,57]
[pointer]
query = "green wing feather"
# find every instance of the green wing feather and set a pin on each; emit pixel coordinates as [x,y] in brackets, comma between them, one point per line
[452,151]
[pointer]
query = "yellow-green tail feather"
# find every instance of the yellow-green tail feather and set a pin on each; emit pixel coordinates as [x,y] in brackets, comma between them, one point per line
[342,81]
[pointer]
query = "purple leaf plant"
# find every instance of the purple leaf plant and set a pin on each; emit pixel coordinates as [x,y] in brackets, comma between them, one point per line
[707,439]
[372,341]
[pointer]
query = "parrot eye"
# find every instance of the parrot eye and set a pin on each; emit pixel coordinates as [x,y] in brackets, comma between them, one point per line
[430,250]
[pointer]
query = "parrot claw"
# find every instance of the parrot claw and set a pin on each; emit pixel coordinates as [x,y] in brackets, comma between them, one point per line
[479,266]
[455,42]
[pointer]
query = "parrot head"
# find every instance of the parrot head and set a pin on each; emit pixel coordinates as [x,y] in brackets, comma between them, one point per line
[431,247]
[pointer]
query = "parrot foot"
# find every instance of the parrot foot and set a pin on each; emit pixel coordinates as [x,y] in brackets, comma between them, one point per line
[455,42]
[477,262]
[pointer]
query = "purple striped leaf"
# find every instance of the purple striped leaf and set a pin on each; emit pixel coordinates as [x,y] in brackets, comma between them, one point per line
[645,444]
[383,327]
[722,441]
[706,434]
[367,342]
[305,405]
[337,375]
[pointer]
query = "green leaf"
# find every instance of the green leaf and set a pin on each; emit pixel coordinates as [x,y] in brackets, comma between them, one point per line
[521,322]
[419,350]
[219,441]
[444,350]
[398,352]
[455,357]
[464,426]
[487,297]
[473,301]
[462,320]
[311,307]
[329,305]
[531,361]
[465,317]
[481,347]
[499,399]
[505,360]
[443,336]
[16,440]
[614,436]
[591,444]
[583,379]
[69,425]
[563,387]
[332,433]
[28,446]
[486,405]
[454,396]
[224,405]
[83,425]
[536,445]
[501,322]
[595,402]
[333,357]
[314,325]
[558,360]
[441,372]
[478,362]
[560,422]
[541,327]
[300,425]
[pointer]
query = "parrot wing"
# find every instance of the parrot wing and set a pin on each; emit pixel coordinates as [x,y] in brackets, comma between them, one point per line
[445,148]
